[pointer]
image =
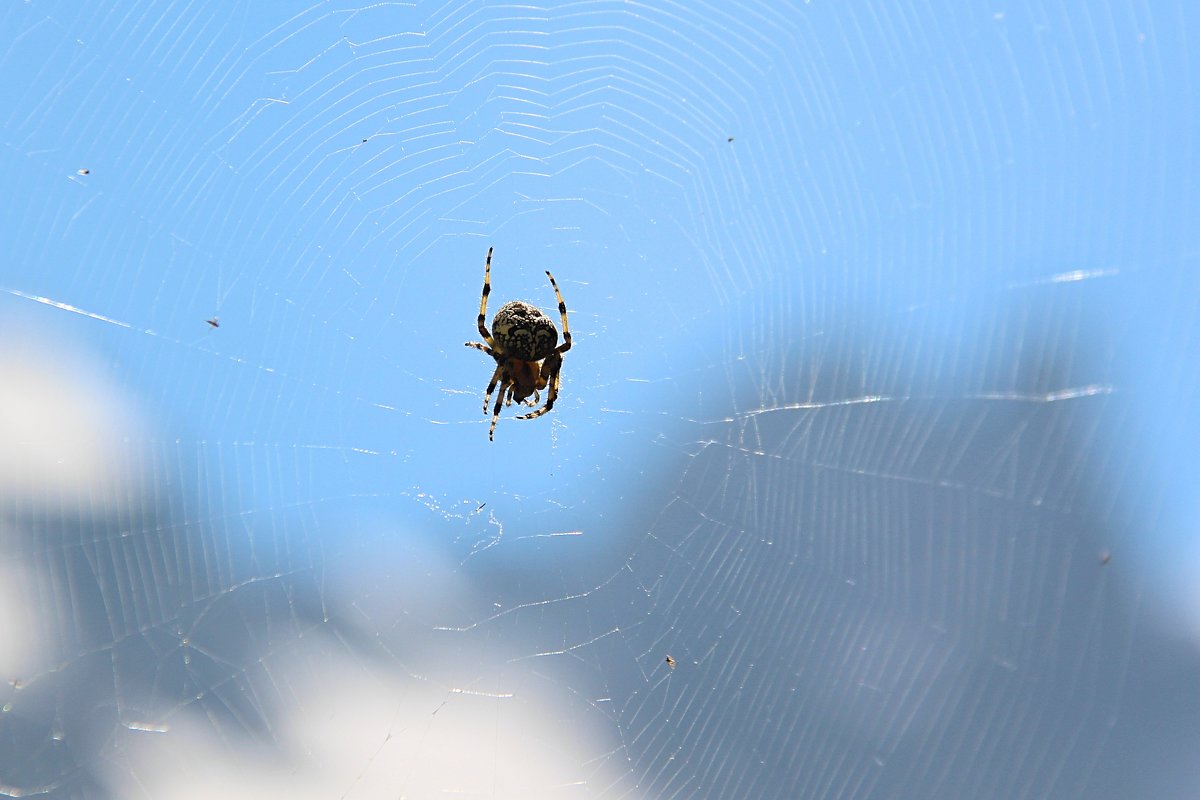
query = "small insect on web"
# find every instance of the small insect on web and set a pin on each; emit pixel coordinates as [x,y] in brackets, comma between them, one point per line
[524,343]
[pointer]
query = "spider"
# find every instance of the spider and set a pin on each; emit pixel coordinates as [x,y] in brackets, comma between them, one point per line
[524,343]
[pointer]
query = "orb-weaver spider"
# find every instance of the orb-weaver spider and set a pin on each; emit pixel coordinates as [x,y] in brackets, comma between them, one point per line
[524,343]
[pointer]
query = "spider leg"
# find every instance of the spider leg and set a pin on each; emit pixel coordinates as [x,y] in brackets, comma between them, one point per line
[487,289]
[555,365]
[492,385]
[483,347]
[562,311]
[531,400]
[504,387]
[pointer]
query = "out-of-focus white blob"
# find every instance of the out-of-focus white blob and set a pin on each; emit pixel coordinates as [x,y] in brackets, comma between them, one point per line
[66,430]
[373,731]
[68,436]
[409,709]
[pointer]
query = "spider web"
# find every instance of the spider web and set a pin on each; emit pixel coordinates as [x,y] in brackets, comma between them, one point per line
[873,469]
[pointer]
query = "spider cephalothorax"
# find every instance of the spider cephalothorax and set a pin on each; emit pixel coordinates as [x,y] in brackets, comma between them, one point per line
[524,343]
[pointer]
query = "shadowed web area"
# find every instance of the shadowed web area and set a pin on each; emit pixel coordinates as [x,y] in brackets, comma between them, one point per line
[873,472]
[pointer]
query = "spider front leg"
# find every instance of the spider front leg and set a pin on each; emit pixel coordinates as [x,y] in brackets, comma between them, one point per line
[562,312]
[487,289]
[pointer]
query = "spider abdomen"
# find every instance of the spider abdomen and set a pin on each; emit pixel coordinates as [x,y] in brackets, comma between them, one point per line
[523,332]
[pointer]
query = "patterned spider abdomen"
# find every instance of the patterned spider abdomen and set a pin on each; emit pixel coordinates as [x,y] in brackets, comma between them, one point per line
[524,332]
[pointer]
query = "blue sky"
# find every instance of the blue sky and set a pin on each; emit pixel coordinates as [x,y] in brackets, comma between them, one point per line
[881,316]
